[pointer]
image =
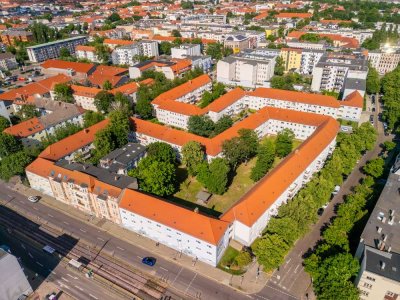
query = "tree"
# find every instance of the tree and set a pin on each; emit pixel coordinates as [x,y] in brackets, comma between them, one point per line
[284,142]
[156,177]
[201,125]
[122,103]
[249,140]
[91,117]
[165,48]
[265,159]
[114,17]
[374,167]
[8,144]
[240,149]
[214,176]
[222,124]
[103,143]
[389,145]
[103,100]
[192,156]
[102,52]
[270,251]
[279,66]
[4,123]
[215,50]
[176,33]
[119,126]
[63,92]
[206,99]
[161,151]
[27,111]
[107,85]
[64,53]
[242,259]
[14,164]
[373,81]
[143,108]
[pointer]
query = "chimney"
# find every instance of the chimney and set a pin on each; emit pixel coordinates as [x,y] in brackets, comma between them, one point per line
[383,265]
[196,210]
[116,177]
[86,130]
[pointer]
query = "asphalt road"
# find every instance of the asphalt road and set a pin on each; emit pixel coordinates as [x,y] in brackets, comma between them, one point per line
[39,266]
[291,276]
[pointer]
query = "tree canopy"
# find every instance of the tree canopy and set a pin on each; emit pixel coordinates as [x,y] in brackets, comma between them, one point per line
[192,156]
[284,142]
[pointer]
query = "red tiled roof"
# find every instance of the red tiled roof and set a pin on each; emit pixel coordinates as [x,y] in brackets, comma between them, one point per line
[354,99]
[85,91]
[26,128]
[287,15]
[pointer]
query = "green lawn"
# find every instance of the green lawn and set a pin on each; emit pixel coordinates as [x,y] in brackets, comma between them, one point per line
[240,185]
[227,260]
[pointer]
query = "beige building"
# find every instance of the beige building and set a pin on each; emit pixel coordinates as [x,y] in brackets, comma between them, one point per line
[237,42]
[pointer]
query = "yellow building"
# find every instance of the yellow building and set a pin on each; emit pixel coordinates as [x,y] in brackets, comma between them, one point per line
[271,31]
[291,58]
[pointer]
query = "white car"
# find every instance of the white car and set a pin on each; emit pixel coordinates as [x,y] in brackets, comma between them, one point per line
[33,199]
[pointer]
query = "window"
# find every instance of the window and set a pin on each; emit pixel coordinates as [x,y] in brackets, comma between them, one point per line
[371,278]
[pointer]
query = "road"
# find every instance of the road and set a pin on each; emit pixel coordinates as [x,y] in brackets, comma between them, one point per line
[40,266]
[188,283]
[291,276]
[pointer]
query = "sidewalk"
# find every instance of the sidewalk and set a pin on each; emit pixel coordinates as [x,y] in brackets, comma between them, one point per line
[248,283]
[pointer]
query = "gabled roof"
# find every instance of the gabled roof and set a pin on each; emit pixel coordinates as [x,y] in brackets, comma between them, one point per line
[293,96]
[287,15]
[26,128]
[354,99]
[195,224]
[72,143]
[85,91]
[65,65]
[118,42]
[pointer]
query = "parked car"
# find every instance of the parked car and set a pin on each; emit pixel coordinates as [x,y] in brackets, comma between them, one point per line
[150,261]
[33,199]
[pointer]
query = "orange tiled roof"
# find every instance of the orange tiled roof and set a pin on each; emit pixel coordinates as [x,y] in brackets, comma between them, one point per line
[354,99]
[225,100]
[117,42]
[293,96]
[61,64]
[334,21]
[293,15]
[26,128]
[40,87]
[85,48]
[264,194]
[85,91]
[197,225]
[72,143]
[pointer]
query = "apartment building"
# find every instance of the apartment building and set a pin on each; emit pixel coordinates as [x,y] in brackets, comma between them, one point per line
[84,96]
[77,70]
[309,59]
[334,69]
[288,17]
[174,68]
[292,58]
[249,69]
[31,132]
[295,43]
[87,52]
[203,18]
[11,36]
[42,52]
[128,55]
[379,250]
[384,60]
[184,50]
[7,62]
[237,42]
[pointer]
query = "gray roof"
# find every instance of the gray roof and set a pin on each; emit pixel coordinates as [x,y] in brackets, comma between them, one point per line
[13,283]
[57,42]
[355,84]
[352,61]
[382,263]
[121,157]
[382,229]
[104,175]
[6,56]
[61,112]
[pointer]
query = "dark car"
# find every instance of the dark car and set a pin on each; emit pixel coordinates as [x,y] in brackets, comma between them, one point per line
[150,261]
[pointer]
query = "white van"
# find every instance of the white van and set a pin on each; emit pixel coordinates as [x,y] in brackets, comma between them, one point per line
[48,249]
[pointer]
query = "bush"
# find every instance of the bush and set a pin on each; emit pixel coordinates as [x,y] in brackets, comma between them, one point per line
[242,259]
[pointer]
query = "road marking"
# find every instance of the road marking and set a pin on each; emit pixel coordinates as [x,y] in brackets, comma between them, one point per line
[262,297]
[66,223]
[140,257]
[190,283]
[35,208]
[122,249]
[39,264]
[163,269]
[62,284]
[78,287]
[65,279]
[83,230]
[50,215]
[177,275]
[295,270]
[282,292]
[30,255]
[52,272]
[289,260]
[93,296]
[72,276]
[99,238]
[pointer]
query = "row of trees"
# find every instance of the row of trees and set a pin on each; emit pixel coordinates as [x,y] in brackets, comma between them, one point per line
[381,36]
[331,264]
[295,217]
[391,97]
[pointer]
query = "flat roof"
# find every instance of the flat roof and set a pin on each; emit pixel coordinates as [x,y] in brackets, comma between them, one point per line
[56,42]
